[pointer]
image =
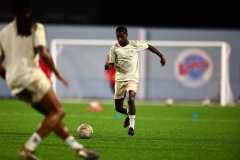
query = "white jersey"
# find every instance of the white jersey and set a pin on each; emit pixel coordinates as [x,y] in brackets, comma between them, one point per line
[21,62]
[126,60]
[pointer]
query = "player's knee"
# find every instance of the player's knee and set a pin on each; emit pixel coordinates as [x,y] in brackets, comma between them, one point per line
[61,112]
[131,98]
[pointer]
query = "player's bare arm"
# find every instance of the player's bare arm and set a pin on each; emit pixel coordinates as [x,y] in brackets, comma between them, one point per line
[157,52]
[47,58]
[108,66]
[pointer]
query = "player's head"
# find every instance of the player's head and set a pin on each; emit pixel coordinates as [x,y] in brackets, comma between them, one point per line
[21,7]
[22,11]
[122,29]
[122,35]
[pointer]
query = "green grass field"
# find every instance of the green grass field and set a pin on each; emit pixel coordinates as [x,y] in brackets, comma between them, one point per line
[161,132]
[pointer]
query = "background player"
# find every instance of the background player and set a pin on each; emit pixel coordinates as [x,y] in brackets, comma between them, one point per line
[124,55]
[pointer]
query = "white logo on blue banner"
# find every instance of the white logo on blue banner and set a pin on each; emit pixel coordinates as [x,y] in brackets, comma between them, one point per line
[193,68]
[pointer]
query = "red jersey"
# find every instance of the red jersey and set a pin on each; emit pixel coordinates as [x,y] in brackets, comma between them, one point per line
[111,75]
[45,68]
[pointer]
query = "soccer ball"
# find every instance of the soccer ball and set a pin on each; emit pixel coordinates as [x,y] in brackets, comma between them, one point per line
[169,101]
[206,102]
[85,131]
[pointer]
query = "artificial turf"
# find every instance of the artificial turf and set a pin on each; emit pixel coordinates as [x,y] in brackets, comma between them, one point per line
[177,132]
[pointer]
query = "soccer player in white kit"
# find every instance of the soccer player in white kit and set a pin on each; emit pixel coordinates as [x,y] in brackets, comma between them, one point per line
[22,41]
[124,55]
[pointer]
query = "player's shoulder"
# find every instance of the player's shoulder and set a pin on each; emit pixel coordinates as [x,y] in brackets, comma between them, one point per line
[137,43]
[7,27]
[134,41]
[40,26]
[115,45]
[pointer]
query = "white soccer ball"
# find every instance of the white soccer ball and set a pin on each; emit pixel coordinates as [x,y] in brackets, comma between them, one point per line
[206,102]
[85,131]
[169,101]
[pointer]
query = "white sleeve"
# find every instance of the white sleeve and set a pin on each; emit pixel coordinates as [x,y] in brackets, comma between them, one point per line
[112,55]
[141,45]
[40,36]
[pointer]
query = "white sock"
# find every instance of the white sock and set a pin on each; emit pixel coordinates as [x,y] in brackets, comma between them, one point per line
[73,143]
[33,141]
[132,120]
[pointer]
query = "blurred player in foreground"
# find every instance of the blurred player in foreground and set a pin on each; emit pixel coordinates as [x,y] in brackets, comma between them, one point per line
[124,55]
[22,41]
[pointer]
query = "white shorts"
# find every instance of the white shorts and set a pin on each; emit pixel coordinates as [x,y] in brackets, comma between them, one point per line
[35,91]
[121,87]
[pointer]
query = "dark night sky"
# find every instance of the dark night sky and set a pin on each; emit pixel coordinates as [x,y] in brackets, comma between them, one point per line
[170,13]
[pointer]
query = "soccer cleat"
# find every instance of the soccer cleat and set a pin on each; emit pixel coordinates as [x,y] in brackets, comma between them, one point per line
[126,122]
[87,154]
[131,131]
[29,155]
